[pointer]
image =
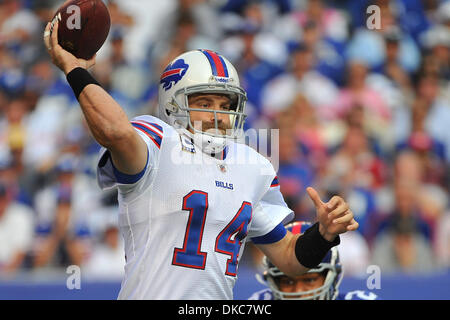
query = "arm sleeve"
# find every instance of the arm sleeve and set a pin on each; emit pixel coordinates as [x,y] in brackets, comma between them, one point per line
[108,176]
[269,216]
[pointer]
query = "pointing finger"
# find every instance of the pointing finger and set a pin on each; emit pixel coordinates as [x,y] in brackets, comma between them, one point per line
[314,197]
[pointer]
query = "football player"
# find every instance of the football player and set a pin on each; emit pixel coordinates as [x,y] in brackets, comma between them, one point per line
[189,195]
[319,283]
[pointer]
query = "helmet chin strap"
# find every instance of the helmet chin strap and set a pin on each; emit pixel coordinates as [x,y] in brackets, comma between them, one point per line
[208,144]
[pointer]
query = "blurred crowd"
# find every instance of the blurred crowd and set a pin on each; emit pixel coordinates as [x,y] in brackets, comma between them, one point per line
[363,113]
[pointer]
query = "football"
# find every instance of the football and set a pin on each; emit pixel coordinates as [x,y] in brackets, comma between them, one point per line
[83,26]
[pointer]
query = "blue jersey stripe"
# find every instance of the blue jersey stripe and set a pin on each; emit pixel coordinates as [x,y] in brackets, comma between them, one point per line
[275,235]
[125,178]
[150,127]
[153,135]
[275,182]
[157,126]
[224,153]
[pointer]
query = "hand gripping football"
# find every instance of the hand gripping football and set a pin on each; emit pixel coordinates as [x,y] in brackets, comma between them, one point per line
[83,26]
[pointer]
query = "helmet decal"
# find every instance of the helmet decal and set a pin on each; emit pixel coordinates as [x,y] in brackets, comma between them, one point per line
[218,66]
[173,73]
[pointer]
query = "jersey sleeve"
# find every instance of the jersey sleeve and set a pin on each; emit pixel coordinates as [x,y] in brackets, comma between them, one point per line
[269,216]
[152,132]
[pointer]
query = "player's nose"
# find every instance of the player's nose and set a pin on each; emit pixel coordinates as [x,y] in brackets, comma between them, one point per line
[299,287]
[217,114]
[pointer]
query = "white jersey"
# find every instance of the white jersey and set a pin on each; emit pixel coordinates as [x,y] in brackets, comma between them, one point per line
[186,217]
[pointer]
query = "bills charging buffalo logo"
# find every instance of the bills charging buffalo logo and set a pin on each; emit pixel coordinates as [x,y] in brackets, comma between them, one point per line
[173,73]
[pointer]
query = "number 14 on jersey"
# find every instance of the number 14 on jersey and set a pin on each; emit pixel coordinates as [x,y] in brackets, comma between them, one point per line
[190,255]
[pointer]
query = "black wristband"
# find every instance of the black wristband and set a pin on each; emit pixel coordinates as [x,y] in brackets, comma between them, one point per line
[78,79]
[311,247]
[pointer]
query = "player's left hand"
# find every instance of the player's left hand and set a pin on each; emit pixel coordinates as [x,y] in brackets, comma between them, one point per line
[63,59]
[334,216]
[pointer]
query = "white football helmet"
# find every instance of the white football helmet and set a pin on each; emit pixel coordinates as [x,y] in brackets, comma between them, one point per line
[201,71]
